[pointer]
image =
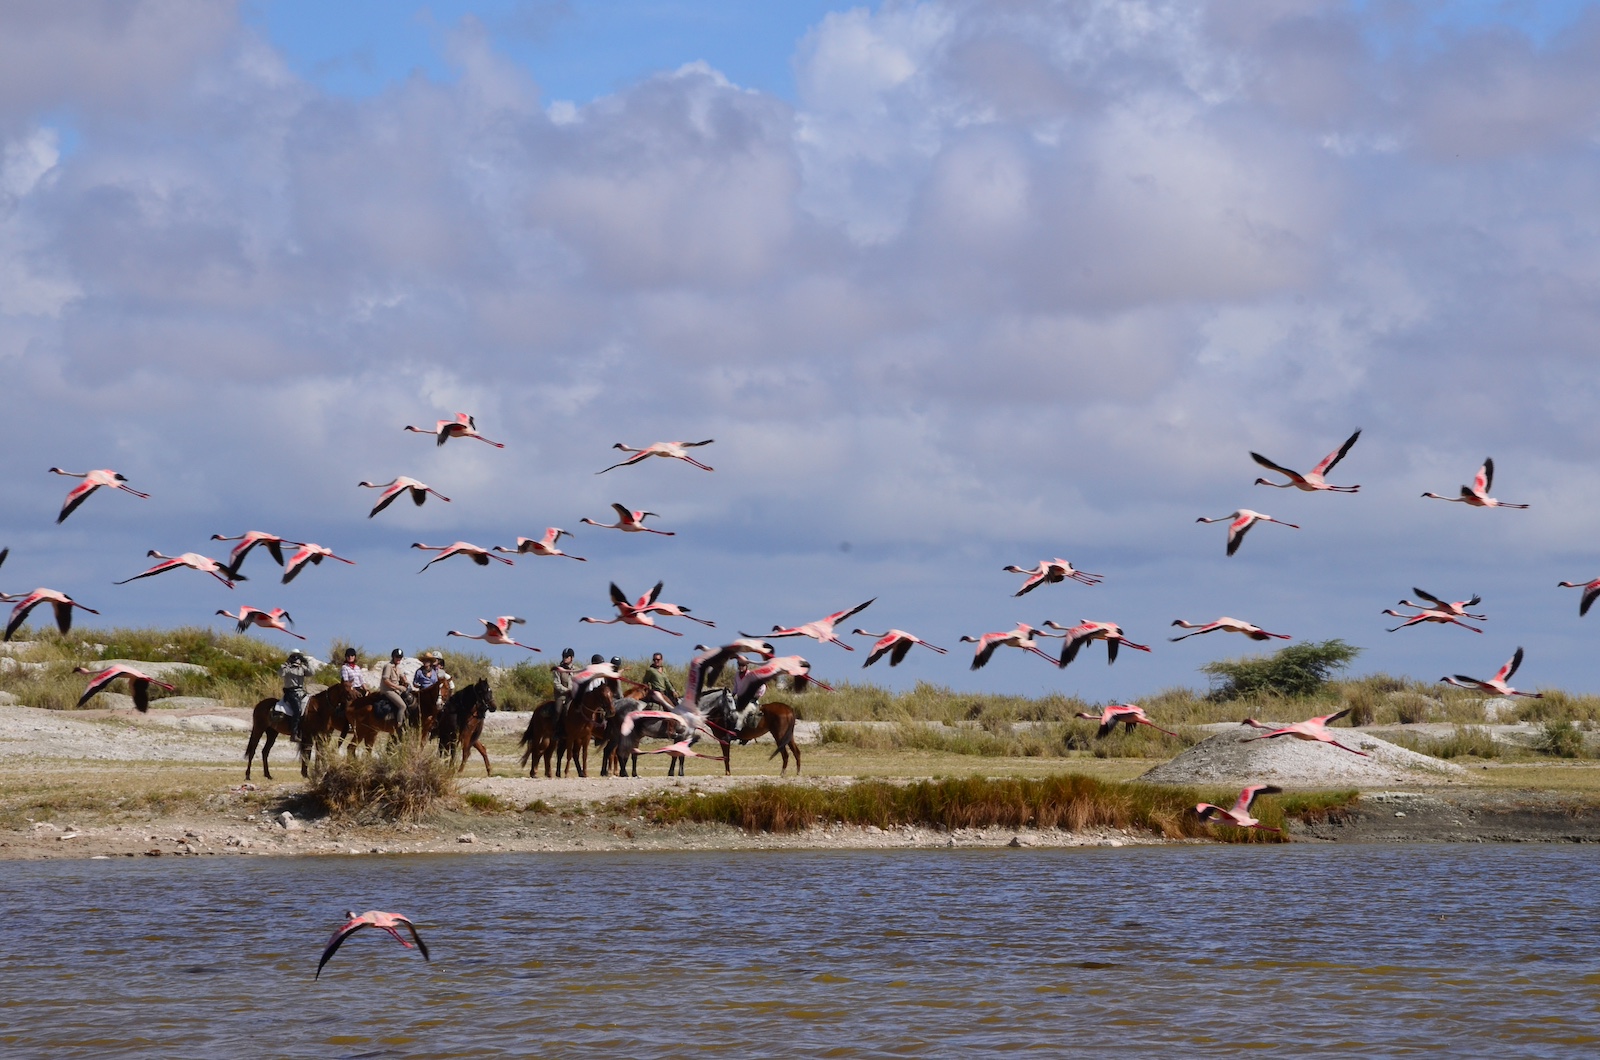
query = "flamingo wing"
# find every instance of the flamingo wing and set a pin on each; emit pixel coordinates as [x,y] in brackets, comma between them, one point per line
[1294,476]
[897,656]
[1505,672]
[338,940]
[1236,531]
[840,616]
[1337,455]
[98,683]
[1247,797]
[1590,591]
[76,496]
[385,499]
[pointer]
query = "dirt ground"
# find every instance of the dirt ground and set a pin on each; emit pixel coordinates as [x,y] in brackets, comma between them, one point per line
[113,783]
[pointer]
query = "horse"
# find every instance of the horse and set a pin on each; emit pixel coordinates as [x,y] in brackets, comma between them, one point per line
[540,738]
[424,711]
[321,714]
[622,747]
[363,722]
[774,719]
[460,723]
[585,720]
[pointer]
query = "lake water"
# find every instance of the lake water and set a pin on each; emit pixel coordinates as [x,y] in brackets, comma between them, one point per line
[1165,951]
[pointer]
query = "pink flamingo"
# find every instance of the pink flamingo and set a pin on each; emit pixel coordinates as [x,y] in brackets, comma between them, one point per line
[59,601]
[895,644]
[1125,714]
[1020,637]
[658,607]
[1312,480]
[463,426]
[1496,685]
[1227,625]
[633,614]
[1590,591]
[92,480]
[139,681]
[1312,729]
[629,521]
[372,918]
[312,553]
[1457,608]
[634,716]
[391,490]
[1050,571]
[706,667]
[822,629]
[1242,521]
[1239,816]
[1085,632]
[277,619]
[671,450]
[1477,494]
[192,560]
[497,631]
[677,750]
[480,556]
[792,665]
[1427,615]
[249,540]
[544,546]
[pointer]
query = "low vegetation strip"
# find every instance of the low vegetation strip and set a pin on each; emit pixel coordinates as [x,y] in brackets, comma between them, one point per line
[1068,801]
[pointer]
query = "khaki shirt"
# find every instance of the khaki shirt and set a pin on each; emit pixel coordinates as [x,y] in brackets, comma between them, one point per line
[392,678]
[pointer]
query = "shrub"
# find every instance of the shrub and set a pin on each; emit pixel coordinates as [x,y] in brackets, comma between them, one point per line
[1296,671]
[1560,739]
[400,782]
[1466,740]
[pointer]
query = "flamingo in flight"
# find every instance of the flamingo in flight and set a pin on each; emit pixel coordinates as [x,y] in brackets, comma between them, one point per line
[659,607]
[479,555]
[633,614]
[822,629]
[1496,685]
[1477,494]
[192,560]
[1020,637]
[497,631]
[1591,589]
[706,667]
[59,601]
[543,546]
[1312,729]
[1458,608]
[1227,625]
[463,426]
[895,644]
[751,680]
[1240,524]
[1239,816]
[680,749]
[391,490]
[372,918]
[629,521]
[1128,715]
[1085,632]
[1312,480]
[671,450]
[92,480]
[4,552]
[309,553]
[249,540]
[1050,571]
[277,619]
[1431,614]
[138,680]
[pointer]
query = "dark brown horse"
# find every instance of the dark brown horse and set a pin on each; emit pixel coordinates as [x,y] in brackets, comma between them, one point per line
[540,738]
[424,713]
[584,723]
[460,723]
[323,713]
[775,720]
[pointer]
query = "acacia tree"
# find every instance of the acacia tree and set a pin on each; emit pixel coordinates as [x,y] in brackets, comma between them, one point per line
[1294,672]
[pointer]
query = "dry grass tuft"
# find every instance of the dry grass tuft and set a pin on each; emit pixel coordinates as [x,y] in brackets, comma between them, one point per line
[400,782]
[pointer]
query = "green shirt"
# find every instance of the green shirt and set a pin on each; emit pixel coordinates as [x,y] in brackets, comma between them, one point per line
[655,679]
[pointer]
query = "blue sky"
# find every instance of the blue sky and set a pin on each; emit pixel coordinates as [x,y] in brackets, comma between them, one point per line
[960,284]
[575,49]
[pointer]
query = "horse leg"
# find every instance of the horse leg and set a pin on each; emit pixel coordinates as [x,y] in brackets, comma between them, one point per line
[727,756]
[250,750]
[484,751]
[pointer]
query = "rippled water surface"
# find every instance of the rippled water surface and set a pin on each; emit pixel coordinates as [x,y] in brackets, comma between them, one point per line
[1458,951]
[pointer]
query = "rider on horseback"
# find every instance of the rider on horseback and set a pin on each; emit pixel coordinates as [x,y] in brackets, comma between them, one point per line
[561,681]
[658,685]
[392,683]
[294,673]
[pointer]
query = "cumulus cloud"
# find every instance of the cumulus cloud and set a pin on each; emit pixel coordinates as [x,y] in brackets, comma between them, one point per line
[1006,280]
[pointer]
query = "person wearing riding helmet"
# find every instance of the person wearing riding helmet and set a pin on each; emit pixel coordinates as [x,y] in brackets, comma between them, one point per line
[392,683]
[561,681]
[293,673]
[588,683]
[616,685]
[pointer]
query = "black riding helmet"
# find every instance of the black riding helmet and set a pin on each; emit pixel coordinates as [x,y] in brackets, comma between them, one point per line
[616,662]
[597,659]
[568,653]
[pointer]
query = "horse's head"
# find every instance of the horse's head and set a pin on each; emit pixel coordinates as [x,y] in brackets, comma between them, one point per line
[485,694]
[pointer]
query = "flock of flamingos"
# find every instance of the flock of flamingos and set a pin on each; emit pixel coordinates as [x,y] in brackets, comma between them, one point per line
[295,556]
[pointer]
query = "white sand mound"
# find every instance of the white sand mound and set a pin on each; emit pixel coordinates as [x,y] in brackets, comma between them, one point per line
[1227,759]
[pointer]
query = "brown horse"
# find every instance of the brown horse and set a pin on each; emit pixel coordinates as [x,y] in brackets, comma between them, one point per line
[460,723]
[777,720]
[323,713]
[540,738]
[585,721]
[363,723]
[424,713]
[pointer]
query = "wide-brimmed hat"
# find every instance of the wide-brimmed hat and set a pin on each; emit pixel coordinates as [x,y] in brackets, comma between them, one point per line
[433,656]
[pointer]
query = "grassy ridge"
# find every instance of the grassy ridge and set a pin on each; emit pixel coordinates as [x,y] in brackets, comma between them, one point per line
[1068,801]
